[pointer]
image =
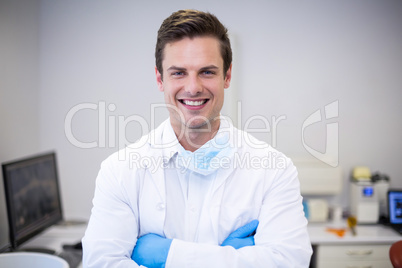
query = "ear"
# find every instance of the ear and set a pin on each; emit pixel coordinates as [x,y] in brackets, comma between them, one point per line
[228,76]
[159,81]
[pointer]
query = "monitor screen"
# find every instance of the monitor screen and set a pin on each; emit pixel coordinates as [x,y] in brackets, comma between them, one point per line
[32,196]
[395,206]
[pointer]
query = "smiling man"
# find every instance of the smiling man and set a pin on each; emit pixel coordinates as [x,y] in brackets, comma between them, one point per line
[193,82]
[213,202]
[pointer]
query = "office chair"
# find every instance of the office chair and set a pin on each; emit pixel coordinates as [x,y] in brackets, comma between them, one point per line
[395,254]
[31,260]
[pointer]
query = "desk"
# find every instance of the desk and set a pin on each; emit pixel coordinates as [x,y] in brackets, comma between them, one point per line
[56,236]
[369,248]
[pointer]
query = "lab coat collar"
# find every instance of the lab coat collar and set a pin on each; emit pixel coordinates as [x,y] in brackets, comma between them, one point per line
[169,140]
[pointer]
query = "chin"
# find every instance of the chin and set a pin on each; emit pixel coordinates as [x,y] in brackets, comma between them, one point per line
[198,124]
[201,123]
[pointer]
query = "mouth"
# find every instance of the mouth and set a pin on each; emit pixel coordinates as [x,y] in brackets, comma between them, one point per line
[194,104]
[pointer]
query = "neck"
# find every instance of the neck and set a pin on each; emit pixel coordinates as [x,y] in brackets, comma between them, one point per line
[193,138]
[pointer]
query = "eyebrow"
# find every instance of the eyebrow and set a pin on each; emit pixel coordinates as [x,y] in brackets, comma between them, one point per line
[176,68]
[209,67]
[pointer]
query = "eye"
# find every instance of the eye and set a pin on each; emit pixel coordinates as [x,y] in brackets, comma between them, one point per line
[208,72]
[178,73]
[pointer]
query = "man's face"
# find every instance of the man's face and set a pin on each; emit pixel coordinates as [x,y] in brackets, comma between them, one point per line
[193,81]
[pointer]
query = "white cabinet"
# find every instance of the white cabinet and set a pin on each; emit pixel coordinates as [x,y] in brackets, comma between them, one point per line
[353,256]
[312,175]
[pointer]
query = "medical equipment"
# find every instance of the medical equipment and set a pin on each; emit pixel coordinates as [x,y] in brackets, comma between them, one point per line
[363,196]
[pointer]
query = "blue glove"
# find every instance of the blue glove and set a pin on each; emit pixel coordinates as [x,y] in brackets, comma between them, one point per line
[242,237]
[151,251]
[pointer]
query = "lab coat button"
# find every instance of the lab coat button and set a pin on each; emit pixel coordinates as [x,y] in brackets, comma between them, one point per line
[160,206]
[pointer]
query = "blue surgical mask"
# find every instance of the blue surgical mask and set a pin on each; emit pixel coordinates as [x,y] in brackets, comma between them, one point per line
[213,155]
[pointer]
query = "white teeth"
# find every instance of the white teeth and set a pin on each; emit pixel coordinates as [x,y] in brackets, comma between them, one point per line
[193,103]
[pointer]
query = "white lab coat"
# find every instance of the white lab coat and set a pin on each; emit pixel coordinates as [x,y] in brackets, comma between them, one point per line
[130,201]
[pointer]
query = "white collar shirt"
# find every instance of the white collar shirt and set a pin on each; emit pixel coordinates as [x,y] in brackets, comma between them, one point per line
[186,190]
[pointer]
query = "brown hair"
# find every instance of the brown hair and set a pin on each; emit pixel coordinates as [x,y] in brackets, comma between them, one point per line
[192,23]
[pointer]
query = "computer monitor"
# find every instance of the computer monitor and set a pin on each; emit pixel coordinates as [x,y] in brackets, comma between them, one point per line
[32,196]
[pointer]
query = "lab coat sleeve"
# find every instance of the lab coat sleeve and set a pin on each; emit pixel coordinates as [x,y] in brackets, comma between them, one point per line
[113,228]
[281,239]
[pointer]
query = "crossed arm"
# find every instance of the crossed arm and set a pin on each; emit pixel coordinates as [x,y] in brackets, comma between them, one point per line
[152,250]
[280,241]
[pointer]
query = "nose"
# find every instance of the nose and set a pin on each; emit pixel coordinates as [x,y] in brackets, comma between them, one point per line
[194,85]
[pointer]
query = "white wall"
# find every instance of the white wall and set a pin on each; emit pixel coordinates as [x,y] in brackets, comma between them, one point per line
[291,59]
[19,87]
